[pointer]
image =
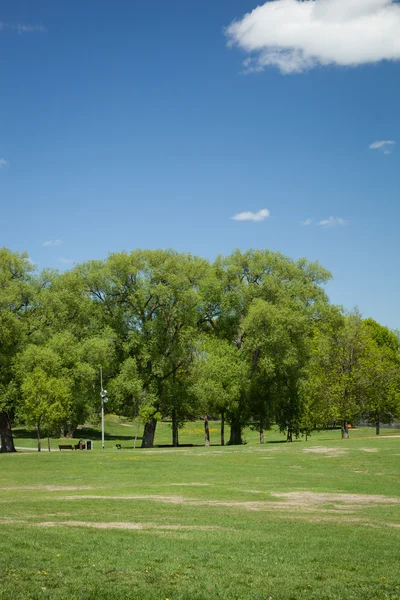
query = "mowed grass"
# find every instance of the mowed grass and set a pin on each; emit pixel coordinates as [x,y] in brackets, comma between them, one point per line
[317,519]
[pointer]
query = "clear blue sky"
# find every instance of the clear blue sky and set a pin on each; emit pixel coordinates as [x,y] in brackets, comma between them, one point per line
[131,124]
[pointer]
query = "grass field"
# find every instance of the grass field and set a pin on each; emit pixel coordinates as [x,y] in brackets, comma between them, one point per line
[310,520]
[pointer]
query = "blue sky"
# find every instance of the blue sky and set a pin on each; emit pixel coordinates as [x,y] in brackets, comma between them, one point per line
[131,124]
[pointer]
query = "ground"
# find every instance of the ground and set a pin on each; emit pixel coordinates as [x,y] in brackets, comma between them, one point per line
[317,520]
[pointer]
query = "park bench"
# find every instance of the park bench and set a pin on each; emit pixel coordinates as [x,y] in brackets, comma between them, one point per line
[79,447]
[65,447]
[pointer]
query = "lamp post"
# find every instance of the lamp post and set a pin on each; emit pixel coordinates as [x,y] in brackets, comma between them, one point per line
[104,400]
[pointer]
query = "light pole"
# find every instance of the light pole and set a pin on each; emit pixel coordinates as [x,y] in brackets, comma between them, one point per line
[104,400]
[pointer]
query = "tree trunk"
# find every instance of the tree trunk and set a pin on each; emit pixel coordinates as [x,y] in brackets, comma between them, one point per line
[378,427]
[68,430]
[345,430]
[39,441]
[289,435]
[206,432]
[48,443]
[72,430]
[236,433]
[262,439]
[175,437]
[149,433]
[223,429]
[6,436]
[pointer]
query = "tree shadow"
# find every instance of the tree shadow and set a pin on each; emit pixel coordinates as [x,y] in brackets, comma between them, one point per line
[82,433]
[87,432]
[283,442]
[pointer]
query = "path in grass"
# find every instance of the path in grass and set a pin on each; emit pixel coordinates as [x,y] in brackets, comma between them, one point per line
[317,519]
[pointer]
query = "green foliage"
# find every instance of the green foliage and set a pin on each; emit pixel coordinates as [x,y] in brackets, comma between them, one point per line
[381,369]
[16,295]
[219,376]
[251,337]
[46,400]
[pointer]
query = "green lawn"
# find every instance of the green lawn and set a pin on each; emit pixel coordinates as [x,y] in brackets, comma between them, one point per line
[317,520]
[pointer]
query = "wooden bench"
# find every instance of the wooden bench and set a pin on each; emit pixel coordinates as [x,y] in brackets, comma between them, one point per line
[65,447]
[79,447]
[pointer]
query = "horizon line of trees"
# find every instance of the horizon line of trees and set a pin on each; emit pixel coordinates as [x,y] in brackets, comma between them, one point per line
[251,337]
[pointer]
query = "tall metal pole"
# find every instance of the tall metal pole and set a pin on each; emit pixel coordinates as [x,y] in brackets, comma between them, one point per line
[102,409]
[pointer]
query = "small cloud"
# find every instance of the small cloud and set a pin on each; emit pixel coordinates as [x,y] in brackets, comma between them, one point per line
[23,28]
[3,163]
[52,243]
[333,222]
[384,146]
[306,223]
[65,261]
[261,215]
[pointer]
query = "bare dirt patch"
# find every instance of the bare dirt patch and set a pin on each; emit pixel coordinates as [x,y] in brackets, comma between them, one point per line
[179,500]
[326,519]
[330,503]
[314,498]
[369,450]
[242,505]
[125,526]
[11,522]
[325,450]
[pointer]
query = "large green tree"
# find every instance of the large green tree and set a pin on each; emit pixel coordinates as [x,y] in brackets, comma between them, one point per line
[336,376]
[268,303]
[46,402]
[219,375]
[152,301]
[16,303]
[70,364]
[381,366]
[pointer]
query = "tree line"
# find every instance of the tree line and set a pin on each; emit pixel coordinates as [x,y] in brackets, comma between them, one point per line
[251,339]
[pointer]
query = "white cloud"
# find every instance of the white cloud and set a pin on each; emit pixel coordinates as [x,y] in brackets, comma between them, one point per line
[384,145]
[261,215]
[306,223]
[3,163]
[333,222]
[295,35]
[52,243]
[23,28]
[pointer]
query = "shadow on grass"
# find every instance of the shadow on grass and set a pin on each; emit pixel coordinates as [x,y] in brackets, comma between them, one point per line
[94,434]
[84,433]
[283,442]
